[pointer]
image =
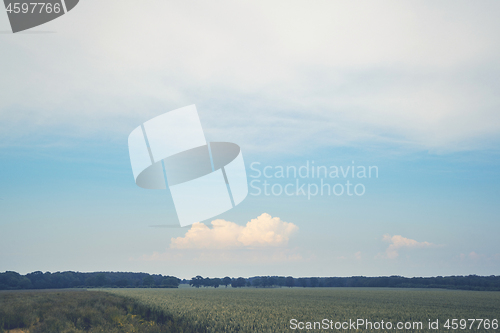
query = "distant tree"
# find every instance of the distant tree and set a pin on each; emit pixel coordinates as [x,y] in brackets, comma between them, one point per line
[226,281]
[281,281]
[90,281]
[37,279]
[196,281]
[272,281]
[122,283]
[256,282]
[303,282]
[289,281]
[170,282]
[101,280]
[148,281]
[24,283]
[331,282]
[10,280]
[314,282]
[239,282]
[216,282]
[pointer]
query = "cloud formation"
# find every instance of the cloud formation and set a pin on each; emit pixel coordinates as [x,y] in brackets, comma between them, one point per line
[422,75]
[399,242]
[264,231]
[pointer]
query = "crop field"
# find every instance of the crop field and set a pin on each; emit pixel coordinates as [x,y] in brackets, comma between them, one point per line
[192,310]
[272,309]
[65,311]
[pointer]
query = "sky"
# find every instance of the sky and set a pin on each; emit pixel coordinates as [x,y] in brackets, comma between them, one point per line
[410,89]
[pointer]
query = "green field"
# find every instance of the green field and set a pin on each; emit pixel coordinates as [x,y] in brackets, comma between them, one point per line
[65,311]
[271,309]
[244,310]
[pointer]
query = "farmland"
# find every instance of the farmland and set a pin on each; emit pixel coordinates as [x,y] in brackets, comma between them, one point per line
[245,310]
[71,311]
[271,309]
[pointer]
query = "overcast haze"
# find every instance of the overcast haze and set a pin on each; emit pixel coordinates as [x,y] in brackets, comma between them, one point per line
[409,87]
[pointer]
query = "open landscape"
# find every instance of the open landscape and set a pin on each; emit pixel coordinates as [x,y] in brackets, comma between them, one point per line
[249,166]
[188,309]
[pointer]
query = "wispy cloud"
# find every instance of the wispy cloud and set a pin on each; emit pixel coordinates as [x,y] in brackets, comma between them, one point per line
[474,257]
[345,73]
[399,242]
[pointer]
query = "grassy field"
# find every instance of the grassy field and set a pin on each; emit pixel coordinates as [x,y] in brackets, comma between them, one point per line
[244,310]
[270,310]
[72,311]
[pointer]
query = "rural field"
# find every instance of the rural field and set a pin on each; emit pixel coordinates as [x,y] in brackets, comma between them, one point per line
[66,310]
[271,309]
[189,309]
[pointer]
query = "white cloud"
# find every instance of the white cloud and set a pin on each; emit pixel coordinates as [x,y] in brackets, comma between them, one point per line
[264,231]
[357,255]
[262,240]
[399,242]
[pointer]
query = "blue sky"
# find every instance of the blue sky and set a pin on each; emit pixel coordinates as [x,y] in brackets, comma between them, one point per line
[411,88]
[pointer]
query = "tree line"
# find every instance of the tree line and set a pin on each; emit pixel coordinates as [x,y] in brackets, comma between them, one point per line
[38,280]
[470,282]
[60,280]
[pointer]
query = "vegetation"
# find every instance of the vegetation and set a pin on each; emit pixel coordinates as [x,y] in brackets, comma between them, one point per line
[471,282]
[39,280]
[199,281]
[236,309]
[270,310]
[79,311]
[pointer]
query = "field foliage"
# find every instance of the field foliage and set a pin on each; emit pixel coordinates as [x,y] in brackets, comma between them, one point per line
[271,309]
[68,311]
[236,309]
